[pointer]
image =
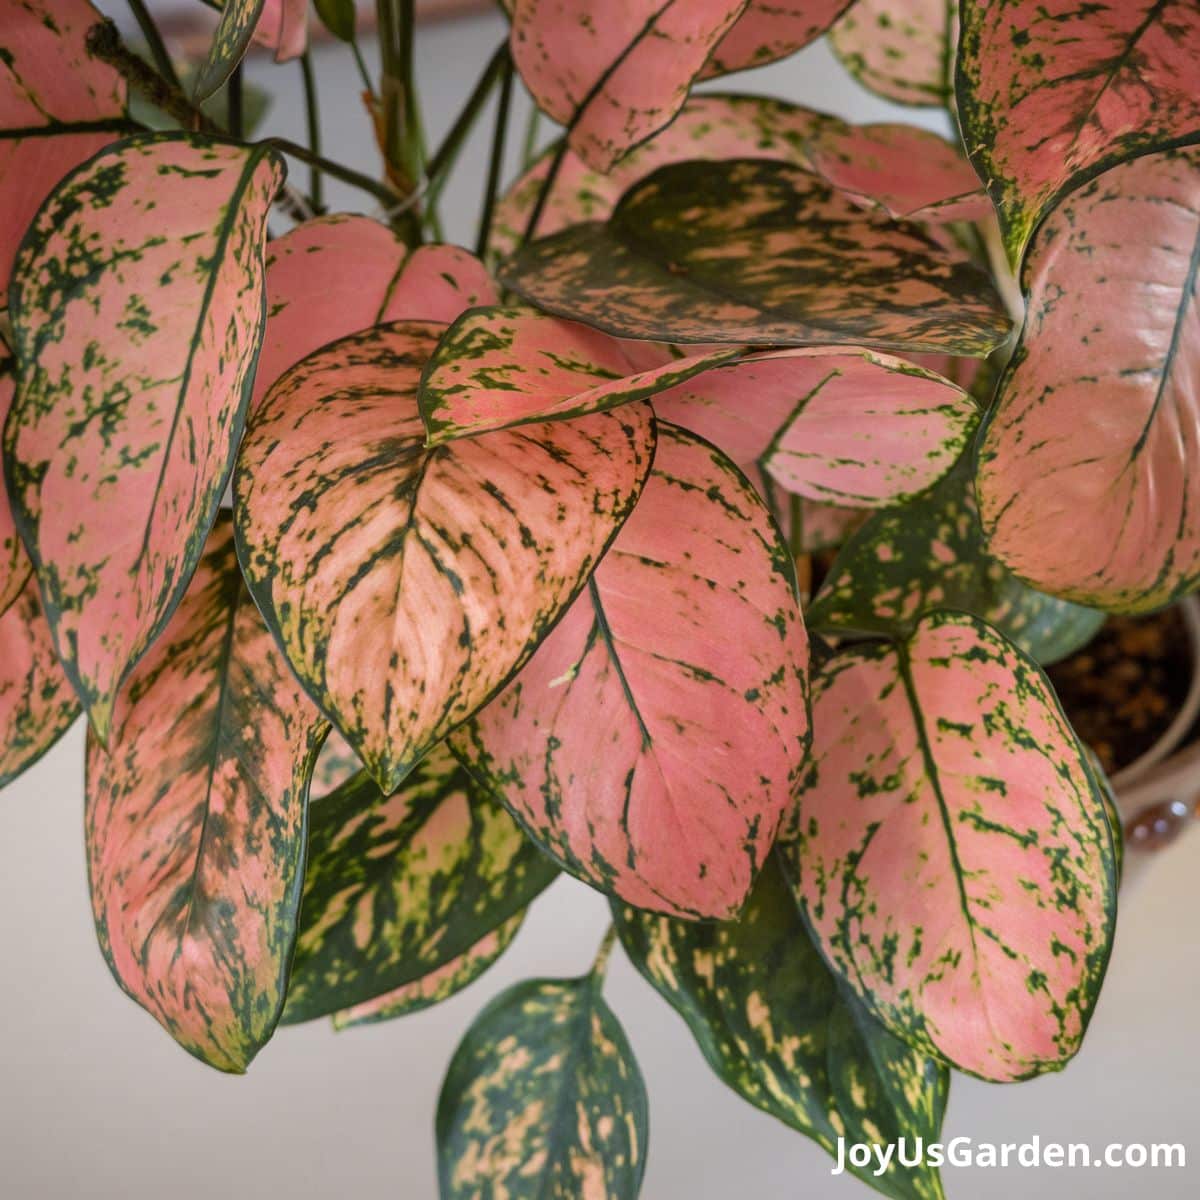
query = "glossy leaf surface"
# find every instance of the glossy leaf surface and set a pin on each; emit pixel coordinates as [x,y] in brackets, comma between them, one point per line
[1051,92]
[651,758]
[773,1023]
[614,74]
[397,887]
[137,312]
[543,1100]
[407,585]
[760,252]
[1089,468]
[195,820]
[954,856]
[769,30]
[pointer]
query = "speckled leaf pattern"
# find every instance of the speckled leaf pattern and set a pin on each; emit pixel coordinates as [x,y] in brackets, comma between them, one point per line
[1089,477]
[340,274]
[231,40]
[902,50]
[835,425]
[58,106]
[500,367]
[407,585]
[709,127]
[195,820]
[1052,92]
[930,554]
[953,854]
[15,566]
[651,758]
[37,704]
[906,171]
[759,252]
[137,312]
[774,1024]
[543,1100]
[772,29]
[615,71]
[399,886]
[440,984]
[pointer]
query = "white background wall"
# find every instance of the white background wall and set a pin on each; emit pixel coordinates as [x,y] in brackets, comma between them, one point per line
[97,1102]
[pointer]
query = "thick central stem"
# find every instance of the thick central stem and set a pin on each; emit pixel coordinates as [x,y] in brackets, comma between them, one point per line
[401,123]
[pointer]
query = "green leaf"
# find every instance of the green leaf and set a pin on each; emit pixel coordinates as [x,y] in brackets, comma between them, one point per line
[231,40]
[773,1024]
[927,554]
[761,252]
[338,17]
[543,1100]
[398,886]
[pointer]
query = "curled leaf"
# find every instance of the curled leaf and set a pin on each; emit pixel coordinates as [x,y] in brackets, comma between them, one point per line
[283,28]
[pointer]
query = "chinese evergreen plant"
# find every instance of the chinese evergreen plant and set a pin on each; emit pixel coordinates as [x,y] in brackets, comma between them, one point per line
[512,579]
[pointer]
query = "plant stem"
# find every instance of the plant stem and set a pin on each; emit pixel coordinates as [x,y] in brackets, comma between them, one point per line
[401,139]
[496,166]
[237,104]
[529,148]
[315,187]
[380,191]
[158,49]
[600,966]
[547,186]
[368,86]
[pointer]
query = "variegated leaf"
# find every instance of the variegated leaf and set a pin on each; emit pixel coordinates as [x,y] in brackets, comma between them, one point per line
[760,252]
[902,50]
[543,1100]
[340,274]
[775,1025]
[399,886]
[709,127]
[1052,92]
[37,703]
[906,171]
[615,74]
[651,757]
[195,820]
[1089,476]
[58,107]
[953,854]
[231,40]
[137,309]
[440,984]
[407,585]
[836,425]
[500,367]
[769,30]
[929,554]
[15,566]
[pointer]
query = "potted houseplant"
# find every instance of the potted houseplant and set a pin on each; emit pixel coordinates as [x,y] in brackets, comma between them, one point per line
[510,579]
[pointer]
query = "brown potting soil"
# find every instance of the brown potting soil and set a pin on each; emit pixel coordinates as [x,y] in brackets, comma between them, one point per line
[1122,690]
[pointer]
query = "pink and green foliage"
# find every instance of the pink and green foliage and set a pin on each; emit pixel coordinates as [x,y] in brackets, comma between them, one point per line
[902,49]
[137,312]
[15,566]
[771,29]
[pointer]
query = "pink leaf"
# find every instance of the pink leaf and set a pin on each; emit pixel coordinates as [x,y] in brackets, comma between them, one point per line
[195,820]
[407,585]
[1089,466]
[283,28]
[653,742]
[772,29]
[954,856]
[137,313]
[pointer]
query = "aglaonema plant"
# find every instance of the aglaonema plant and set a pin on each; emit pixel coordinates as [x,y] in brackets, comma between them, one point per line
[511,581]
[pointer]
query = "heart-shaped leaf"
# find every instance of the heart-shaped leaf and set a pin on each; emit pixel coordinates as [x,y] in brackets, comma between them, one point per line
[708,127]
[902,50]
[440,984]
[340,274]
[500,367]
[953,854]
[137,308]
[14,561]
[651,757]
[1052,92]
[769,30]
[37,703]
[841,426]
[930,554]
[1088,468]
[774,1024]
[231,40]
[399,886]
[905,171]
[407,585]
[543,1100]
[195,820]
[761,252]
[615,74]
[58,106]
